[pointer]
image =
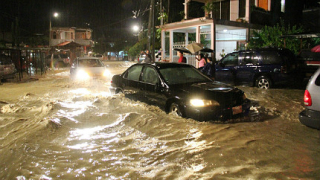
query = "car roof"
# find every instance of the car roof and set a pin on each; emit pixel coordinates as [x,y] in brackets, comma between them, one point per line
[80,58]
[163,65]
[265,49]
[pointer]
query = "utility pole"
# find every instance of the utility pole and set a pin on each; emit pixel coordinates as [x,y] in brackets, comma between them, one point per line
[151,27]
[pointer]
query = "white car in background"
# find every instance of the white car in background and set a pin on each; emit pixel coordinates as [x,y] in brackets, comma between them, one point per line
[311,115]
[84,68]
[7,68]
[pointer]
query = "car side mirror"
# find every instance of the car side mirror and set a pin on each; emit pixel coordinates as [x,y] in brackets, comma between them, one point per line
[222,65]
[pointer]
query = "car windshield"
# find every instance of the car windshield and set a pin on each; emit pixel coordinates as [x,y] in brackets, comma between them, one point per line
[90,63]
[182,75]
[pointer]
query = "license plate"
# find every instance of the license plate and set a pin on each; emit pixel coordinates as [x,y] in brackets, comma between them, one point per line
[237,109]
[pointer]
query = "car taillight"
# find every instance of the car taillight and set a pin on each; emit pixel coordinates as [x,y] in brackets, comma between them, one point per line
[307,98]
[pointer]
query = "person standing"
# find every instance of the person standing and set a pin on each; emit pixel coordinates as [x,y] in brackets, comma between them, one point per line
[182,59]
[148,57]
[202,61]
[209,69]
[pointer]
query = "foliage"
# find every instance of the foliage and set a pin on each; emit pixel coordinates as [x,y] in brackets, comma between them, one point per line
[163,16]
[272,37]
[36,41]
[135,50]
[211,7]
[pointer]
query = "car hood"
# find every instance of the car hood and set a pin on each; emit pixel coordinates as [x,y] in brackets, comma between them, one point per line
[203,86]
[225,94]
[93,70]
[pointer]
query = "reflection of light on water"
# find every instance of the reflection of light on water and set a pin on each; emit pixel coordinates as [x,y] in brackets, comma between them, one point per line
[196,167]
[80,105]
[93,133]
[85,91]
[80,91]
[194,145]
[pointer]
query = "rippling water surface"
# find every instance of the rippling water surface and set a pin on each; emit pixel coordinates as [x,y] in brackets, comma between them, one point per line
[58,129]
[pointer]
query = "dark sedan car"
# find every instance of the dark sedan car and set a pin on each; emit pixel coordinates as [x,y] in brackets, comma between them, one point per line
[183,90]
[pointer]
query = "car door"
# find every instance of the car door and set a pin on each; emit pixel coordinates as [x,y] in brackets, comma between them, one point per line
[246,70]
[226,69]
[151,86]
[132,79]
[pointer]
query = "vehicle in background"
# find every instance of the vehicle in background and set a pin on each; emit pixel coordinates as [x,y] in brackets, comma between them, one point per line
[84,68]
[311,115]
[99,56]
[142,57]
[261,67]
[58,60]
[183,90]
[309,62]
[7,68]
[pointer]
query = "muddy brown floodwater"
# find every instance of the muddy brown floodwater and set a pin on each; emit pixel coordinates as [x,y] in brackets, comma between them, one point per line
[54,128]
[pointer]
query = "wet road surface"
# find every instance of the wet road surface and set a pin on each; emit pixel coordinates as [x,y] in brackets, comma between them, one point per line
[55,128]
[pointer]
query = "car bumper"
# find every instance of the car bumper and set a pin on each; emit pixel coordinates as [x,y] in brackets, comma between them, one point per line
[8,76]
[310,118]
[216,113]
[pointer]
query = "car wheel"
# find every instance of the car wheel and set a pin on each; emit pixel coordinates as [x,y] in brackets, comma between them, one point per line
[263,82]
[118,91]
[176,109]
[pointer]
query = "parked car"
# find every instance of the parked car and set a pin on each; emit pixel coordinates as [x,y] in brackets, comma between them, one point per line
[84,68]
[311,115]
[183,90]
[261,67]
[7,68]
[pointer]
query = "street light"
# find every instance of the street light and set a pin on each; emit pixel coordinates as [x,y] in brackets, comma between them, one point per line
[135,28]
[54,15]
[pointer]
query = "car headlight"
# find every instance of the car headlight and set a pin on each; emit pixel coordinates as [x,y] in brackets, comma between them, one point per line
[82,75]
[203,102]
[106,73]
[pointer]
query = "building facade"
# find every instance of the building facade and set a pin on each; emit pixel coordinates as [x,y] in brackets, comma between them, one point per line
[77,40]
[226,28]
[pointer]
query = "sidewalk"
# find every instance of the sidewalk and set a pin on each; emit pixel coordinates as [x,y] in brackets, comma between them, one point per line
[32,76]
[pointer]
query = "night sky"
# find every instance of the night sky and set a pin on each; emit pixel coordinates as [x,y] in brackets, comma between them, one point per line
[103,16]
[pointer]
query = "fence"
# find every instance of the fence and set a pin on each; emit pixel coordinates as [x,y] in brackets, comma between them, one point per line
[27,60]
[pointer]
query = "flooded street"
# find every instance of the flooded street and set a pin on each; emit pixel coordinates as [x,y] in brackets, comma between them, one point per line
[54,128]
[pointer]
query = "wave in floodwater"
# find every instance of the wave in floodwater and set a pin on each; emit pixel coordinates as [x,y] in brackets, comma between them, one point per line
[85,133]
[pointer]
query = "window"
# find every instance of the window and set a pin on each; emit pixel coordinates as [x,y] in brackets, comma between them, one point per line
[149,75]
[54,35]
[263,4]
[225,10]
[317,82]
[134,73]
[270,57]
[72,36]
[231,60]
[242,8]
[221,10]
[181,75]
[283,2]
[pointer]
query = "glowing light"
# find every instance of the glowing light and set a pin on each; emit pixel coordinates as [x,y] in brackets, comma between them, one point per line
[82,75]
[107,73]
[203,103]
[135,28]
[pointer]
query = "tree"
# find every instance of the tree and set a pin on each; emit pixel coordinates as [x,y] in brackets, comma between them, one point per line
[135,50]
[272,37]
